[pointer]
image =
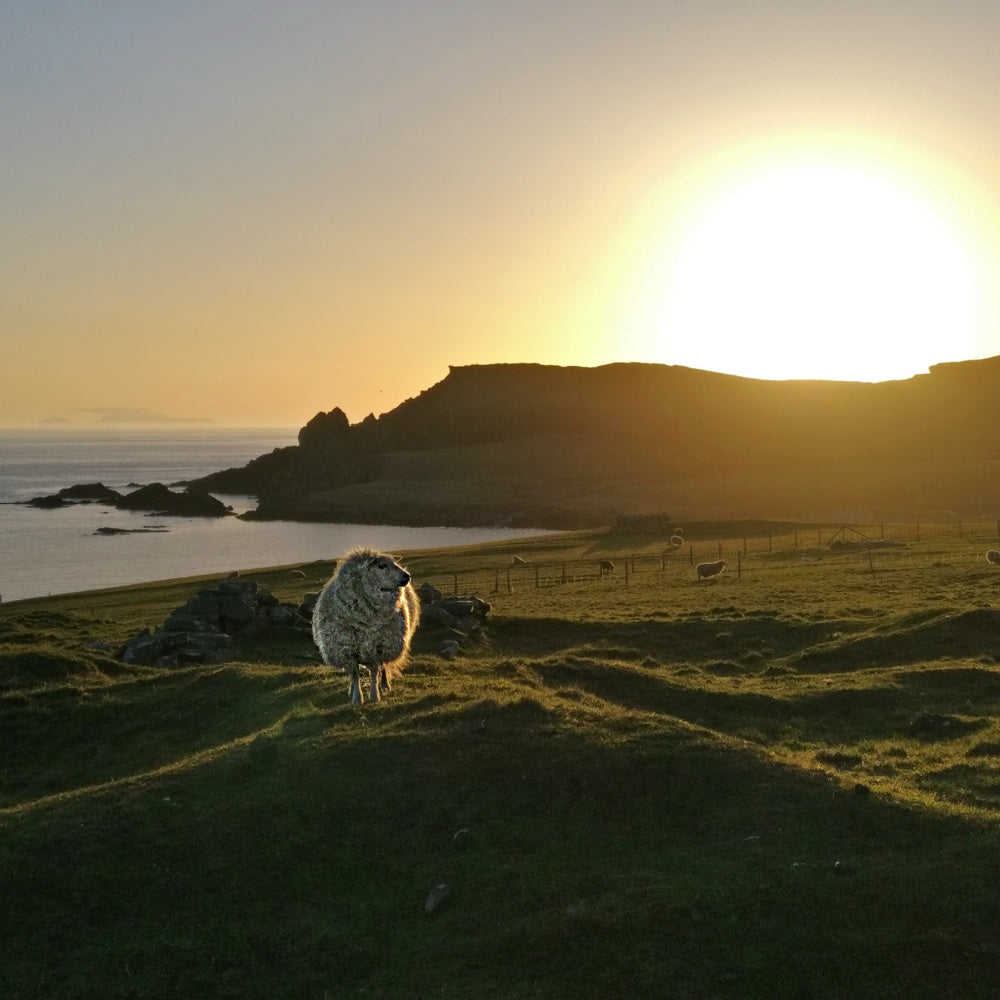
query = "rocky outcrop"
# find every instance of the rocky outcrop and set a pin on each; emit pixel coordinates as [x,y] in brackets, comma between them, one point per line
[206,628]
[155,498]
[81,493]
[452,621]
[164,502]
[203,629]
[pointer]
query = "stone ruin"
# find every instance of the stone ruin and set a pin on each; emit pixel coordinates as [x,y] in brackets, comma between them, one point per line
[204,629]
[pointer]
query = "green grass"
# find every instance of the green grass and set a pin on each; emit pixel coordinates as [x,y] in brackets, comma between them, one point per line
[781,786]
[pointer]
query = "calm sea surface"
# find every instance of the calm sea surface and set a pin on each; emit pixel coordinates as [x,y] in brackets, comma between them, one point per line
[57,551]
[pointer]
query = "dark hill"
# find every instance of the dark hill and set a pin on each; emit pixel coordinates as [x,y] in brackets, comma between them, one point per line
[573,447]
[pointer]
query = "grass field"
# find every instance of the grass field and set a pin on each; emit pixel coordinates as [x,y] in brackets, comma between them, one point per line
[781,785]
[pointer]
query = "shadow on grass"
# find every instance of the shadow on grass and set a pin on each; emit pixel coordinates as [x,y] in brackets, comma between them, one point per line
[654,863]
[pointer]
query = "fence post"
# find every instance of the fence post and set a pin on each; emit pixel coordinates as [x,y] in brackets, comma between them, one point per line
[871,565]
[455,577]
[496,585]
[509,589]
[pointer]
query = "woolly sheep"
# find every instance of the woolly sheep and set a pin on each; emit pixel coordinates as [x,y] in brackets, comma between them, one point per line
[710,569]
[366,616]
[993,556]
[607,566]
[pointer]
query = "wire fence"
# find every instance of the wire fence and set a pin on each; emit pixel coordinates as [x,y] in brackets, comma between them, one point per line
[871,547]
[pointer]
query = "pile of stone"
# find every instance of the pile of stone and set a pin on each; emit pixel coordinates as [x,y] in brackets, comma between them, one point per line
[203,629]
[458,620]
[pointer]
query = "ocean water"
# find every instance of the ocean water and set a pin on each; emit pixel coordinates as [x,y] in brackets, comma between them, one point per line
[57,551]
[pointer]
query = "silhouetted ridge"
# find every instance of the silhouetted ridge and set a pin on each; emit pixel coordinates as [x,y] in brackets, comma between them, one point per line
[566,446]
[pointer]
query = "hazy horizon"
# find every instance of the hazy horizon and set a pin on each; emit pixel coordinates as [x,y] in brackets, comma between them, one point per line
[253,213]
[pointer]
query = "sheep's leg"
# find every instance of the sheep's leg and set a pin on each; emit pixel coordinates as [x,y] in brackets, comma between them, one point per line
[376,671]
[384,684]
[357,698]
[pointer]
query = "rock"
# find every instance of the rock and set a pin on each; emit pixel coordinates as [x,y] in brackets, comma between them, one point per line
[162,501]
[436,615]
[81,493]
[201,630]
[437,897]
[428,593]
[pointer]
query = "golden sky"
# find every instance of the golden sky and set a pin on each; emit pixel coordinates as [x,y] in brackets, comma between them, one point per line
[254,211]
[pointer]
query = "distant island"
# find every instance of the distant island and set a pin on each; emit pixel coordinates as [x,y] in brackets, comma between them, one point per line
[124,415]
[529,445]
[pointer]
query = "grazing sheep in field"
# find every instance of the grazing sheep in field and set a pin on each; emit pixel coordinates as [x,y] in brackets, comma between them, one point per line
[297,574]
[235,575]
[993,556]
[707,570]
[366,616]
[607,566]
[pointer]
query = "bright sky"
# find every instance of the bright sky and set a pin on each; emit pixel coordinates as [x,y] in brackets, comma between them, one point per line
[253,211]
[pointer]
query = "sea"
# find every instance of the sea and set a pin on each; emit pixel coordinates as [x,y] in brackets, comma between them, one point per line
[59,551]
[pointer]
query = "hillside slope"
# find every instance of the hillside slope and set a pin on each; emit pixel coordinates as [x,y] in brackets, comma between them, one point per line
[562,447]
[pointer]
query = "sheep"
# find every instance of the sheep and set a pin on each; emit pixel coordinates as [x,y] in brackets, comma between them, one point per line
[993,556]
[707,570]
[235,575]
[366,615]
[607,566]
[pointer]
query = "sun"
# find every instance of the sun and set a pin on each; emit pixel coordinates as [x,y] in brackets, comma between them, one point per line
[817,271]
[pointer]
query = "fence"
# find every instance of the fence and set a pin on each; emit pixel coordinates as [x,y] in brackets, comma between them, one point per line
[869,546]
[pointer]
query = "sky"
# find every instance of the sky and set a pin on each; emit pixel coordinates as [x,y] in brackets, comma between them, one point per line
[251,212]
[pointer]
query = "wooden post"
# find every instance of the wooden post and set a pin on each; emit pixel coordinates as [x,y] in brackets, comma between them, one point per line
[871,564]
[496,585]
[510,590]
[455,577]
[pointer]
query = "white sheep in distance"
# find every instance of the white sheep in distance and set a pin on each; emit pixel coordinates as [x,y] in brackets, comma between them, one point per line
[707,570]
[366,616]
[993,556]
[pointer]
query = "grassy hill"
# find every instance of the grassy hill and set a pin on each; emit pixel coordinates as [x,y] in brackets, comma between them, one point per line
[782,784]
[565,447]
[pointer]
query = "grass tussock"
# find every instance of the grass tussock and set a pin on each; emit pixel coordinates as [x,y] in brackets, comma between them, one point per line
[780,786]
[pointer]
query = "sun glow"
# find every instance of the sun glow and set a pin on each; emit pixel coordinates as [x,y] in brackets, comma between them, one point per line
[813,270]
